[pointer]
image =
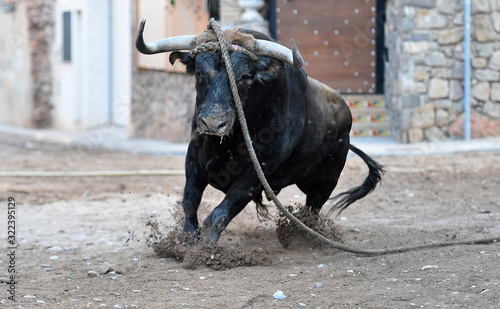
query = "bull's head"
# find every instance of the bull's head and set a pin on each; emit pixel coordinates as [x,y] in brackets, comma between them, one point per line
[215,113]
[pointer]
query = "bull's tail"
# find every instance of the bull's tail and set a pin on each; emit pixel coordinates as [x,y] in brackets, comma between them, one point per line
[374,177]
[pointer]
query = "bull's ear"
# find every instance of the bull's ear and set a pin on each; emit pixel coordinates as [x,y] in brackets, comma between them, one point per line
[267,69]
[182,61]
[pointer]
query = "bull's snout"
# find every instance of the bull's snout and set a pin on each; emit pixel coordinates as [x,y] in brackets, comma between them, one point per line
[214,126]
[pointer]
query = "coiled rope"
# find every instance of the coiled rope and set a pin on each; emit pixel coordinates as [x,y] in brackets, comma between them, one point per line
[223,45]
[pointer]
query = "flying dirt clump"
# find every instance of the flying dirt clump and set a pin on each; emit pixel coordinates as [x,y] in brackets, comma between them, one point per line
[288,233]
[169,242]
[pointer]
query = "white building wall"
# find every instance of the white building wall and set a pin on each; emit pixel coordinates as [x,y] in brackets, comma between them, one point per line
[122,50]
[86,95]
[15,68]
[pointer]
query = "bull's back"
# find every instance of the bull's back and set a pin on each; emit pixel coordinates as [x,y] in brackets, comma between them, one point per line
[328,107]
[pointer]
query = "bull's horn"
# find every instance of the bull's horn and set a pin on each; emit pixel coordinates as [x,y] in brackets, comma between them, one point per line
[280,52]
[182,42]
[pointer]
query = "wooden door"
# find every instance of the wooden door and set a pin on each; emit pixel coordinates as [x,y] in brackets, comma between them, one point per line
[336,38]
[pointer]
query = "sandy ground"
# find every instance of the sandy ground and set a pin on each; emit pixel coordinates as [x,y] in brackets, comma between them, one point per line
[82,242]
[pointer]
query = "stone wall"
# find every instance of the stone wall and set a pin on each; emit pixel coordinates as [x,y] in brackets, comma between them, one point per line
[425,68]
[41,36]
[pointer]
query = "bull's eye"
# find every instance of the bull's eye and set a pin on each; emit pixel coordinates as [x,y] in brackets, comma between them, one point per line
[246,79]
[200,80]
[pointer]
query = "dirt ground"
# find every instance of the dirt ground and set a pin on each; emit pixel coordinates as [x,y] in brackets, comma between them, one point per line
[82,242]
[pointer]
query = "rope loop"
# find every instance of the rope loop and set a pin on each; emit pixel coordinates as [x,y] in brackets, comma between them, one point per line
[216,46]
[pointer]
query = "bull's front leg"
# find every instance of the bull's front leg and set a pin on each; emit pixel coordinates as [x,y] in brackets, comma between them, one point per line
[240,194]
[193,191]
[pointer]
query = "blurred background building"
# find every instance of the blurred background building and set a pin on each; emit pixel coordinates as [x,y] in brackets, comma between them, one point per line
[72,65]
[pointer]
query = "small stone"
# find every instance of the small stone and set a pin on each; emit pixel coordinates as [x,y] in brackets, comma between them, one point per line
[446,7]
[426,267]
[456,90]
[481,91]
[479,63]
[438,88]
[430,20]
[415,135]
[321,266]
[415,47]
[492,109]
[495,92]
[484,50]
[436,59]
[421,74]
[482,29]
[450,36]
[55,248]
[495,61]
[279,295]
[421,3]
[92,273]
[481,126]
[496,20]
[434,134]
[480,6]
[423,117]
[54,257]
[487,75]
[319,285]
[442,117]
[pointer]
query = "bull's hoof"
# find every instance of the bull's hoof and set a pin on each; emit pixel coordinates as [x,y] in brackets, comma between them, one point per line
[191,238]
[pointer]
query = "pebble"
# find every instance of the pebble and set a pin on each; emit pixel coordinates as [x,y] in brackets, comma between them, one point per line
[319,285]
[55,248]
[45,265]
[428,267]
[302,304]
[321,266]
[279,295]
[92,273]
[54,257]
[137,291]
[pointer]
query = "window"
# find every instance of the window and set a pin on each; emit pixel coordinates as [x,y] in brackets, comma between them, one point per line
[66,38]
[166,20]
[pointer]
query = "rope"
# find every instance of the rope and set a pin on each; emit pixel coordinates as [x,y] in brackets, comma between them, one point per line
[216,47]
[91,173]
[212,24]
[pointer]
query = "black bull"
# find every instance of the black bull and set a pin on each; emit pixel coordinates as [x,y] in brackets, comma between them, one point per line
[299,129]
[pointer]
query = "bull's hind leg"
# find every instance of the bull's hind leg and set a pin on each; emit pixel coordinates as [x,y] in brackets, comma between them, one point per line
[193,191]
[320,186]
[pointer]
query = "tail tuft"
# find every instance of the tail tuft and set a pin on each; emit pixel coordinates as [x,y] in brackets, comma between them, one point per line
[374,177]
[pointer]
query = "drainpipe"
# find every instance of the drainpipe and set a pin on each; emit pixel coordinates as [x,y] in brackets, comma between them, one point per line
[467,71]
[110,61]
